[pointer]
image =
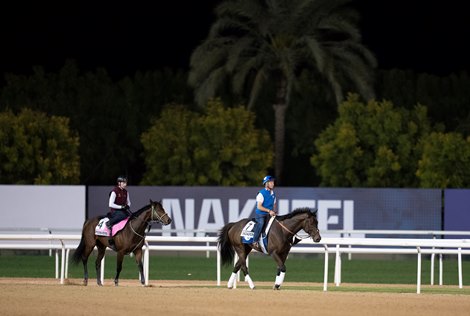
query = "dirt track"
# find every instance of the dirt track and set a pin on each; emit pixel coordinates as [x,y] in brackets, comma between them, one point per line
[48,297]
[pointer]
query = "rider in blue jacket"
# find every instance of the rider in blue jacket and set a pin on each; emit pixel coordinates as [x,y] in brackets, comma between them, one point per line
[265,205]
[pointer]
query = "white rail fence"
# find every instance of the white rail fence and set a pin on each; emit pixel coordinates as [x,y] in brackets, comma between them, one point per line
[63,243]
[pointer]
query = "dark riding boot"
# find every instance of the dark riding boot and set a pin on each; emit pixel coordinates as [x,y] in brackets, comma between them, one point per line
[110,240]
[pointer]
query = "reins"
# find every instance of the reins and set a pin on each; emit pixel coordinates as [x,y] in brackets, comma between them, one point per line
[141,236]
[294,234]
[159,219]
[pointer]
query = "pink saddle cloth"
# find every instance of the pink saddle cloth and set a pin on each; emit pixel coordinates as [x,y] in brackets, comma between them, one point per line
[102,230]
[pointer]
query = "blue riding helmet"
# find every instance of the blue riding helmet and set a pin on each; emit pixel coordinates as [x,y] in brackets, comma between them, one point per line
[121,179]
[267,179]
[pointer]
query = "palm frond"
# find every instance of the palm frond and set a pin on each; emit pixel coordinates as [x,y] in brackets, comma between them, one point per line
[252,39]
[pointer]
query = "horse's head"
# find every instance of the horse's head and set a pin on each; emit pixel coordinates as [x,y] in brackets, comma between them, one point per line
[159,214]
[311,226]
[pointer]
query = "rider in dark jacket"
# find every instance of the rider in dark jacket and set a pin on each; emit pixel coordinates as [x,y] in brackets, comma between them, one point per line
[119,203]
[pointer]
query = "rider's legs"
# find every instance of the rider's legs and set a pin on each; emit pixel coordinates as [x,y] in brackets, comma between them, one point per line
[260,219]
[114,218]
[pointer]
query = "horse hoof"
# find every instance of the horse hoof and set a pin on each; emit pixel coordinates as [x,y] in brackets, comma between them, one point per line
[276,287]
[229,287]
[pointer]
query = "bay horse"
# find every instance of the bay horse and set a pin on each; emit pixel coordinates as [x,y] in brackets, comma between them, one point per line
[129,239]
[281,237]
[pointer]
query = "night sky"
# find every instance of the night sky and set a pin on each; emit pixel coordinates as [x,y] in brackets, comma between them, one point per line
[405,34]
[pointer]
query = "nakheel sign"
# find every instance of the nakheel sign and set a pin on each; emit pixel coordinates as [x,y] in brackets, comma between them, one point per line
[210,214]
[209,208]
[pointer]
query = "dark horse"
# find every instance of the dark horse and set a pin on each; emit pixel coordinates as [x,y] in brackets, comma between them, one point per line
[282,236]
[129,239]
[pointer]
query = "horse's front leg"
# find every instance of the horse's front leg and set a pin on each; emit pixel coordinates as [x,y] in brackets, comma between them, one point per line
[138,260]
[281,270]
[119,258]
[281,273]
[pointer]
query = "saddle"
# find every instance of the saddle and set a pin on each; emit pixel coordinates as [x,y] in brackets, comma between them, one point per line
[102,230]
[248,233]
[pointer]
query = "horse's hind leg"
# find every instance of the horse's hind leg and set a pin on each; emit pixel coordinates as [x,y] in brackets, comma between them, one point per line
[85,255]
[85,271]
[99,258]
[233,276]
[242,253]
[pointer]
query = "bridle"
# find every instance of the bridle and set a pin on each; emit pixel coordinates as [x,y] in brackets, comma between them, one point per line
[317,231]
[154,213]
[159,219]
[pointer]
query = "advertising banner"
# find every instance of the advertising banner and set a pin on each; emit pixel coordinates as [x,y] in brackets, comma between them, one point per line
[457,210]
[42,206]
[209,208]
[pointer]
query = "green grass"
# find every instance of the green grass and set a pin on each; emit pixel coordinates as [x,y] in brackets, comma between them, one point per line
[301,268]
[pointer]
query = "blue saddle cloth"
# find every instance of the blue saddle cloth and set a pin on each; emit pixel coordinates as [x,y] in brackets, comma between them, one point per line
[247,234]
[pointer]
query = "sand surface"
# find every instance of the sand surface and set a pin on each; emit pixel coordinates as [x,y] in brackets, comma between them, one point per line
[22,296]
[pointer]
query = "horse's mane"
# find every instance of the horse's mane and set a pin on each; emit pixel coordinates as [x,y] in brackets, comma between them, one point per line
[140,211]
[296,212]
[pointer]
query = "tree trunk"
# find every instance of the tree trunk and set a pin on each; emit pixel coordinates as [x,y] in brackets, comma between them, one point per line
[280,108]
[279,135]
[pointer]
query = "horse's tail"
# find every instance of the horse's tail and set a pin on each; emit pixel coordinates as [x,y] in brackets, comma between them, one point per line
[77,255]
[225,245]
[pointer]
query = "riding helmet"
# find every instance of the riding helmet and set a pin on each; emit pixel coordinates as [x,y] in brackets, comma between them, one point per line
[121,179]
[267,179]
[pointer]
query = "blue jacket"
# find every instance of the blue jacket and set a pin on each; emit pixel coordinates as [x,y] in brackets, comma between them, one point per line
[268,202]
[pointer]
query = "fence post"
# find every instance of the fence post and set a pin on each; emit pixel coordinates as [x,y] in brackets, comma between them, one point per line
[432,262]
[218,266]
[67,255]
[146,263]
[62,264]
[56,263]
[418,285]
[459,255]
[325,275]
[440,269]
[338,266]
[235,259]
[102,270]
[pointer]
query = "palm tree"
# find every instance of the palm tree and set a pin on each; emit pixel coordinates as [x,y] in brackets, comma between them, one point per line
[255,43]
